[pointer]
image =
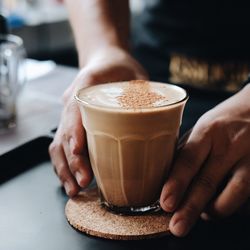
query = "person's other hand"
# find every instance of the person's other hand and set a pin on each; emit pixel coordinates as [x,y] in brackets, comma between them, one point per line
[211,173]
[68,151]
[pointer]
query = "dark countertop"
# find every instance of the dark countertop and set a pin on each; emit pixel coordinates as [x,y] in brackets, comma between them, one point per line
[32,201]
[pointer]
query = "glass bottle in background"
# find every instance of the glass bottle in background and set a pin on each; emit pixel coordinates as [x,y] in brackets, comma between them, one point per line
[12,75]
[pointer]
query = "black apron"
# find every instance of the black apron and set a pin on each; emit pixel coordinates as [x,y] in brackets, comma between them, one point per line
[210,29]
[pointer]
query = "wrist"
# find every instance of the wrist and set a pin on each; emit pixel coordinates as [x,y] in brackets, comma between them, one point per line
[109,49]
[102,39]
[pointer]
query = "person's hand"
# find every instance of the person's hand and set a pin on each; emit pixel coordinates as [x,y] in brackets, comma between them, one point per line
[211,173]
[68,151]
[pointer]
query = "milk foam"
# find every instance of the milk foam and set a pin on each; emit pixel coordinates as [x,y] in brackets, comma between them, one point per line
[107,95]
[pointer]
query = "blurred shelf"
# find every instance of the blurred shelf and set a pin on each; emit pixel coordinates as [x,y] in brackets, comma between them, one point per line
[52,40]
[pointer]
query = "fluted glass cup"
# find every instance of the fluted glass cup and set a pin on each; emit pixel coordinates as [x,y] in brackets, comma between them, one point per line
[131,150]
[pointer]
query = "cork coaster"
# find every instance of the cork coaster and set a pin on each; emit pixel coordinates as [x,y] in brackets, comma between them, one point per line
[85,214]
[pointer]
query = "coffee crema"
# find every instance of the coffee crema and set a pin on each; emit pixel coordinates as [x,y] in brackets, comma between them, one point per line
[136,94]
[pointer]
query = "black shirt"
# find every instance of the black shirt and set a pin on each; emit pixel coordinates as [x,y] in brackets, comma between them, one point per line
[210,29]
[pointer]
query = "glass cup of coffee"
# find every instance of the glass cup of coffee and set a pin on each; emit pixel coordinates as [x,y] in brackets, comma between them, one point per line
[12,78]
[132,129]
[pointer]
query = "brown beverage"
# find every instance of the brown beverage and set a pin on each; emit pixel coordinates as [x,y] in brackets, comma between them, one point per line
[132,129]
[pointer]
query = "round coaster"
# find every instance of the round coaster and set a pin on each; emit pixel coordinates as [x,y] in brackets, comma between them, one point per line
[84,213]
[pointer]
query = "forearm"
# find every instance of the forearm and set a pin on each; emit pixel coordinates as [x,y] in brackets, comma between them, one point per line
[97,24]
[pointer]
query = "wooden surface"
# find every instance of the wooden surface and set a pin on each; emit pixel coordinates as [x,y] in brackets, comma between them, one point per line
[39,107]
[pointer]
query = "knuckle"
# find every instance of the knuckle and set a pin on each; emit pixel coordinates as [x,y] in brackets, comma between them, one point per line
[201,125]
[75,144]
[91,77]
[62,172]
[206,182]
[52,148]
[191,208]
[65,135]
[206,124]
[88,177]
[74,164]
[218,123]
[74,190]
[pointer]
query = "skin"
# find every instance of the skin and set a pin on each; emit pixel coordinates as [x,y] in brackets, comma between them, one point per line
[101,60]
[216,151]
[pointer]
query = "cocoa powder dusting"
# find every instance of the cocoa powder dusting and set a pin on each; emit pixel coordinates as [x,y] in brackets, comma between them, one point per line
[137,94]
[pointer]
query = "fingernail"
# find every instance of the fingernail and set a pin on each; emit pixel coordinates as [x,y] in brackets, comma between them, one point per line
[170,203]
[79,178]
[180,228]
[67,188]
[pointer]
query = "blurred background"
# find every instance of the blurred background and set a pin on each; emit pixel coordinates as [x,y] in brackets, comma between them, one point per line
[50,66]
[44,27]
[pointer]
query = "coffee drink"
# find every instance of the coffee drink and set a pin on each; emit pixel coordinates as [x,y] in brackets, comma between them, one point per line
[132,128]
